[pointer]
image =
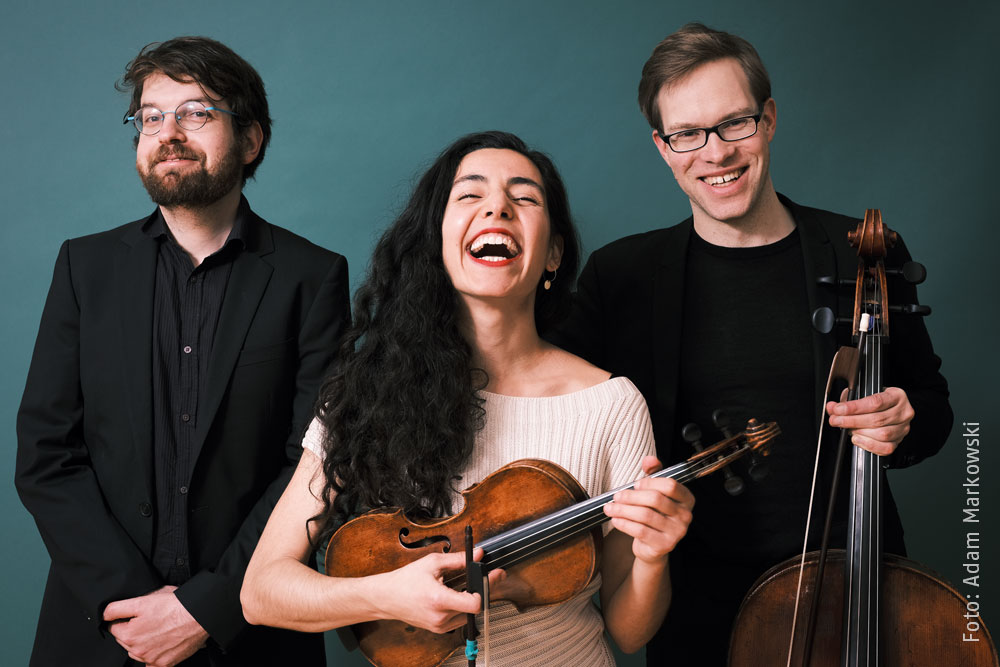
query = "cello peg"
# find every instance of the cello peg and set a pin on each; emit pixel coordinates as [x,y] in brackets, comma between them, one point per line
[911,309]
[823,320]
[834,282]
[912,272]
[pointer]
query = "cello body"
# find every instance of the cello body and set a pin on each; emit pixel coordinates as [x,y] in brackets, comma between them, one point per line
[924,620]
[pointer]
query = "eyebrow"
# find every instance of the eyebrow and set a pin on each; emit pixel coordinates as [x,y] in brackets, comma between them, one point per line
[515,180]
[679,127]
[206,101]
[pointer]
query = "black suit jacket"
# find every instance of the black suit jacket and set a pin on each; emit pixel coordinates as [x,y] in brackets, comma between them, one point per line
[84,460]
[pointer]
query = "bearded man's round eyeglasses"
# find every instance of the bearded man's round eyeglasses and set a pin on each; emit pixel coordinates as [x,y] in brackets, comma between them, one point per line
[191,115]
[694,138]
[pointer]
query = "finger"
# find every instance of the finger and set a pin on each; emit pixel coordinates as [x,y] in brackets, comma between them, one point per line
[118,631]
[444,563]
[651,464]
[119,609]
[667,487]
[880,402]
[879,447]
[652,542]
[496,576]
[457,602]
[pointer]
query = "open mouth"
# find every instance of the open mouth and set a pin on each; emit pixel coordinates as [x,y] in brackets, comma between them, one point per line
[494,247]
[724,179]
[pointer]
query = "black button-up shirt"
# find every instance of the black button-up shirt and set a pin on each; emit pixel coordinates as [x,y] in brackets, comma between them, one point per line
[187,303]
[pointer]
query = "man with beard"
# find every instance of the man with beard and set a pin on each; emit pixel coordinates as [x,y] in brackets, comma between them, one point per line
[175,370]
[714,313]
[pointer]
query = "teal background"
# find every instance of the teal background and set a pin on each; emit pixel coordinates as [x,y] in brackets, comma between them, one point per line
[884,105]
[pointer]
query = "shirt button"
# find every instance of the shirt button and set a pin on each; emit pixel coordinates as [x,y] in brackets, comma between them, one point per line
[179,561]
[183,490]
[187,349]
[145,509]
[185,417]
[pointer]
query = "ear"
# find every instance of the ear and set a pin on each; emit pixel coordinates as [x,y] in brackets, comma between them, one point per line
[769,118]
[555,253]
[662,147]
[252,139]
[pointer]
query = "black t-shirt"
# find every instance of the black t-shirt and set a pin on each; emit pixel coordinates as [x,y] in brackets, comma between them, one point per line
[746,348]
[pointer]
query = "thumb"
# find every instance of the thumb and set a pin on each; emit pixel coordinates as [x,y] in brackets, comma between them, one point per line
[119,609]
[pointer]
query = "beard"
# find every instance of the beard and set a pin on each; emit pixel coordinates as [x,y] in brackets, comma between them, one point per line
[191,188]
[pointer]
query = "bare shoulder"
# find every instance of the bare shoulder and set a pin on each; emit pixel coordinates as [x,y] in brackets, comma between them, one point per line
[572,372]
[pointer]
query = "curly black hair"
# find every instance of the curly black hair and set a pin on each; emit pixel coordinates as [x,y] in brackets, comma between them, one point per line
[401,410]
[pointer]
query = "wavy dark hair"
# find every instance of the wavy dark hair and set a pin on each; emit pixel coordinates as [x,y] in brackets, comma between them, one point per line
[401,410]
[213,65]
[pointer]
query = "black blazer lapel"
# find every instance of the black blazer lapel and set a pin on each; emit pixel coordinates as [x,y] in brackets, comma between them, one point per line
[820,261]
[135,272]
[247,282]
[667,304]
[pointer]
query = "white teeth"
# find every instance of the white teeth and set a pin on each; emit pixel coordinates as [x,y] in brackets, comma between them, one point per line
[494,238]
[725,178]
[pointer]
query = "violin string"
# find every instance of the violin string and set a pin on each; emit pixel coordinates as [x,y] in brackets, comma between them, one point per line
[580,520]
[522,542]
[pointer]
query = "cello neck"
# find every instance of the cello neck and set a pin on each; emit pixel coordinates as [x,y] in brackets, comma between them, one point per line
[863,570]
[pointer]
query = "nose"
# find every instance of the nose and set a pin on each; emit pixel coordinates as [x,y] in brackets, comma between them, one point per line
[170,130]
[497,204]
[717,150]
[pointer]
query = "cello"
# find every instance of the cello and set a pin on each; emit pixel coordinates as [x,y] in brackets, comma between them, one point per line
[859,607]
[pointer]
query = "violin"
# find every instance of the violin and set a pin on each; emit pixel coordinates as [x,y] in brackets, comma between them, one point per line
[533,519]
[858,607]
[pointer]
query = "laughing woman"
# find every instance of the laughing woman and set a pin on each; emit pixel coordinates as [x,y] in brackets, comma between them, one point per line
[444,379]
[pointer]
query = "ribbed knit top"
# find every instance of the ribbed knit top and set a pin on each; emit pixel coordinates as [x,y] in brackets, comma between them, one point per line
[598,434]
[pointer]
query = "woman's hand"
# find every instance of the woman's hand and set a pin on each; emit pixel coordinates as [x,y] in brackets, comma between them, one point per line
[655,513]
[416,594]
[649,520]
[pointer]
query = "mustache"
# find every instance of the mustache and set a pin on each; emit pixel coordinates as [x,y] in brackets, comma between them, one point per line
[173,153]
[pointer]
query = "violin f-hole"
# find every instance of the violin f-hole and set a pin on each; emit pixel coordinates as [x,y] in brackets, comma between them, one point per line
[424,542]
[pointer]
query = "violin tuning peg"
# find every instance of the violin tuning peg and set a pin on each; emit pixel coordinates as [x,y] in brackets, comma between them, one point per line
[734,484]
[720,418]
[691,434]
[911,309]
[912,272]
[757,469]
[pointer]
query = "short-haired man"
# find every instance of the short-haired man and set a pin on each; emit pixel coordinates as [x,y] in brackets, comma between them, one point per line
[715,313]
[176,366]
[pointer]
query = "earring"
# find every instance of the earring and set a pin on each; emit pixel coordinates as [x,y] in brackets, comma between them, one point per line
[548,281]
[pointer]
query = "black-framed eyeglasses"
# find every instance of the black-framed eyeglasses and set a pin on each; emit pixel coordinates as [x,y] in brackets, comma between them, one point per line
[192,115]
[694,138]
